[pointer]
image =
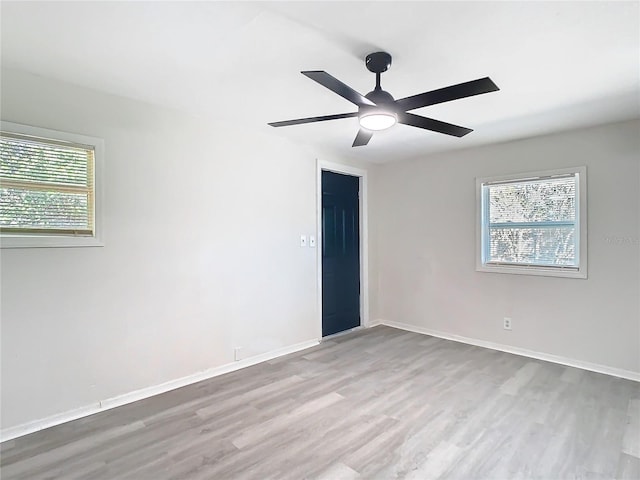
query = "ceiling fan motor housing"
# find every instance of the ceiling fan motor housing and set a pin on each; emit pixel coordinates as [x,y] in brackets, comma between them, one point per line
[380,97]
[384,104]
[381,116]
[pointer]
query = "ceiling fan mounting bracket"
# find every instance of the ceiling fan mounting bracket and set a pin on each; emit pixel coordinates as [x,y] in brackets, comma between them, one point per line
[378,62]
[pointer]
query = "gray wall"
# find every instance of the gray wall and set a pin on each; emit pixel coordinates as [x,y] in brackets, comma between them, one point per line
[427,246]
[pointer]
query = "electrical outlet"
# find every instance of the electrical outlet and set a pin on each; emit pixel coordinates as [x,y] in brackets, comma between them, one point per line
[507,323]
[237,353]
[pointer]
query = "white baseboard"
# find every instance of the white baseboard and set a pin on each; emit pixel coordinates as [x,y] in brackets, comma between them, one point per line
[36,425]
[117,401]
[57,419]
[376,322]
[594,367]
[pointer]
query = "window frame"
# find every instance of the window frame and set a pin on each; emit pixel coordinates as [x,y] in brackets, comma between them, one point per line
[482,229]
[33,240]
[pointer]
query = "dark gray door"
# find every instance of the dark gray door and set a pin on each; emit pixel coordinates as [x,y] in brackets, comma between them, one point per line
[340,253]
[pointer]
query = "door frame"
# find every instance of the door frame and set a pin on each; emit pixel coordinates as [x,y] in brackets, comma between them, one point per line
[364,235]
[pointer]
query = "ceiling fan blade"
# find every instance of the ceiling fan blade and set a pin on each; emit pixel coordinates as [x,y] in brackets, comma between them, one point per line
[446,94]
[433,125]
[362,138]
[323,118]
[336,86]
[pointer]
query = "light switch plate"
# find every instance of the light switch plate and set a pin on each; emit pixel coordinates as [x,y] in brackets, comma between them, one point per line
[312,241]
[303,240]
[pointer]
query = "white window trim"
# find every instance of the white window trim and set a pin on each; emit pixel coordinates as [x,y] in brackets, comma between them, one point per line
[39,241]
[581,221]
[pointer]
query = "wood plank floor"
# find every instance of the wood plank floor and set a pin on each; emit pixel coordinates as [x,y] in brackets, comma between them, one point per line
[375,404]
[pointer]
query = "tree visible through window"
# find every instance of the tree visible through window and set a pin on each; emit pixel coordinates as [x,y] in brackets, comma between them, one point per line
[531,222]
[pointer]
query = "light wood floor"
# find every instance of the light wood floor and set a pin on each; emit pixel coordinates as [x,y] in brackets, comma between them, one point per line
[379,403]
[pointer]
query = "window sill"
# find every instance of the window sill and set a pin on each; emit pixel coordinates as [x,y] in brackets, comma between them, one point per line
[532,270]
[54,241]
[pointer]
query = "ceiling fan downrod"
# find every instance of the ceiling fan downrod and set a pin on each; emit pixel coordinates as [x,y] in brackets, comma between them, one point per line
[377,63]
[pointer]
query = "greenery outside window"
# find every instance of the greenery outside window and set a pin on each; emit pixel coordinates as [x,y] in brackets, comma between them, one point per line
[49,187]
[533,223]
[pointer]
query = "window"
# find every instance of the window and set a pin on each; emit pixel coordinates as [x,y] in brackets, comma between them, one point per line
[49,195]
[533,224]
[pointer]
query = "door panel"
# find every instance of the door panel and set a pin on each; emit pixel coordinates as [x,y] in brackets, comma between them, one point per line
[340,253]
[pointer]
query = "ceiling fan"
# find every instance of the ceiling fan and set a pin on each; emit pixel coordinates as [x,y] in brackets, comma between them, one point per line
[377,110]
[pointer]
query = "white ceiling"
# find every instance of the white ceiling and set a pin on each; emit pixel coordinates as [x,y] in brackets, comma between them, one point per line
[559,65]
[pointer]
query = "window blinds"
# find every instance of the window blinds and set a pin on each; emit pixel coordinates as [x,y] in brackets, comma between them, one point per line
[532,222]
[46,186]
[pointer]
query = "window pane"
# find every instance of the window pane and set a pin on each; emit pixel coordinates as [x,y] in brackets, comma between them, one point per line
[40,162]
[45,185]
[533,223]
[551,246]
[533,201]
[21,208]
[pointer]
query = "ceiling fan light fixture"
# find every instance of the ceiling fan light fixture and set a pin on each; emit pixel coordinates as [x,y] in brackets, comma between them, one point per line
[378,120]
